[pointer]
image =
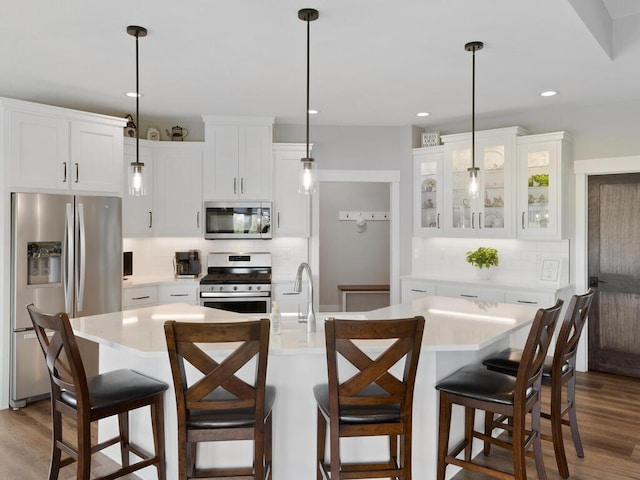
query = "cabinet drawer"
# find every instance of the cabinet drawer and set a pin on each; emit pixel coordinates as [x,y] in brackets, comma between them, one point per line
[139,297]
[413,289]
[471,293]
[178,294]
[542,300]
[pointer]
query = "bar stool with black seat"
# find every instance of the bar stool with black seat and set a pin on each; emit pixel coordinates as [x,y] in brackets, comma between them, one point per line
[219,405]
[372,401]
[88,400]
[475,387]
[558,371]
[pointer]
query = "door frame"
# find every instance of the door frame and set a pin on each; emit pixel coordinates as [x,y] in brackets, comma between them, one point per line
[582,170]
[391,177]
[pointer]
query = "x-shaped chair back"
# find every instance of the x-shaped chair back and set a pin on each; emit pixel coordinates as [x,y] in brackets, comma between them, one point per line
[571,329]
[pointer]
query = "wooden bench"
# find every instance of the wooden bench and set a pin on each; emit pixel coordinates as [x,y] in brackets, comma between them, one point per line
[347,289]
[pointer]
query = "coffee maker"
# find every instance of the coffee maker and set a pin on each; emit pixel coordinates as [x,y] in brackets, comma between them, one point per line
[187,264]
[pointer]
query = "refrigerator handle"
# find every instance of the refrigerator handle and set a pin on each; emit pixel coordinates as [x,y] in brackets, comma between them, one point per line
[67,257]
[82,261]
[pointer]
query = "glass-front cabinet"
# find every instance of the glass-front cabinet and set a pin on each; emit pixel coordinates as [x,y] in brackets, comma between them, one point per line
[542,183]
[427,174]
[490,215]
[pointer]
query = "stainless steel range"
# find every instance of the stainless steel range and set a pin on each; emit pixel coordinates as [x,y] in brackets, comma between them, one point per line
[237,282]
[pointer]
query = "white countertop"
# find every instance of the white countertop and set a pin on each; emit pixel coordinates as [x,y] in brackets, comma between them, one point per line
[503,283]
[451,325]
[140,281]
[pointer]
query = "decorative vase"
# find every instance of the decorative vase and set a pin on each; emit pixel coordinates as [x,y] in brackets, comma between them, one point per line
[484,273]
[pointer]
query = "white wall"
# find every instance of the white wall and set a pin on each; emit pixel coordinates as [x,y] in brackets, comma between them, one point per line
[346,255]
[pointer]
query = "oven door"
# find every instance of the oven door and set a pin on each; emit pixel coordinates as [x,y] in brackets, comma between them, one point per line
[238,304]
[228,220]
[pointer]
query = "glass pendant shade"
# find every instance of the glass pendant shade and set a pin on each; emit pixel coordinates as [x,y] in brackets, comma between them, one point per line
[308,176]
[137,179]
[474,187]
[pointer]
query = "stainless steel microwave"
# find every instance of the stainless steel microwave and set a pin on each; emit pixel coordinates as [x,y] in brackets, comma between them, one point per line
[229,220]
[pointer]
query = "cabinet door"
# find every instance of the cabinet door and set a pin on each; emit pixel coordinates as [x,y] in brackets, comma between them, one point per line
[39,151]
[291,208]
[220,168]
[96,157]
[289,302]
[178,294]
[427,175]
[471,293]
[254,162]
[491,214]
[138,297]
[539,179]
[177,196]
[137,212]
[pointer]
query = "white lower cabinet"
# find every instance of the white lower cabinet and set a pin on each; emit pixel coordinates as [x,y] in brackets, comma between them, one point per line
[414,289]
[138,297]
[470,292]
[178,294]
[289,302]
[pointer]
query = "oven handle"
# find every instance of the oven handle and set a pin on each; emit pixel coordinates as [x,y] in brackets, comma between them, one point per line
[234,295]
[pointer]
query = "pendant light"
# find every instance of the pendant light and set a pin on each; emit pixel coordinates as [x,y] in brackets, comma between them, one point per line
[308,179]
[136,171]
[474,187]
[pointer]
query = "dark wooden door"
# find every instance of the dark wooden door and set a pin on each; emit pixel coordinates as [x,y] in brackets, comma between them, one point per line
[614,268]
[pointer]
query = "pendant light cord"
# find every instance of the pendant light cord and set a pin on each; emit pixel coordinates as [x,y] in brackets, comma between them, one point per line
[137,105]
[473,110]
[308,83]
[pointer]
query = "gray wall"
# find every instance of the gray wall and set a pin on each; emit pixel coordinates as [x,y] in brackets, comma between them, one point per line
[347,256]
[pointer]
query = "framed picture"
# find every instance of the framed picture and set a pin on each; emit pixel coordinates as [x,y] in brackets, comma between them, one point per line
[550,270]
[430,139]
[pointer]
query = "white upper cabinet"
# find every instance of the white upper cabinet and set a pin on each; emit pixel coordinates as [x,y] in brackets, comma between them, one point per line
[237,158]
[290,208]
[545,189]
[56,149]
[177,188]
[428,190]
[137,211]
[490,215]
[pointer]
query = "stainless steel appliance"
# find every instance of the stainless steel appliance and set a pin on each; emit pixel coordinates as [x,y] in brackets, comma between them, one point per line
[66,256]
[237,282]
[187,264]
[237,220]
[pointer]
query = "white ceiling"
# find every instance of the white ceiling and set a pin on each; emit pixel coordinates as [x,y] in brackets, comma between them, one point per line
[373,62]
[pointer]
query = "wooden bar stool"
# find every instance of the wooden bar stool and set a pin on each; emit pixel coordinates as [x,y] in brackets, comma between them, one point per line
[87,400]
[220,406]
[558,371]
[371,401]
[475,387]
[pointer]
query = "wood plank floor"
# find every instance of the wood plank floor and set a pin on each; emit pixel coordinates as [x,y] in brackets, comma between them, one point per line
[608,415]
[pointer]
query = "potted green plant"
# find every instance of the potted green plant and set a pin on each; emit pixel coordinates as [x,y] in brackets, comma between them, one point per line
[483,258]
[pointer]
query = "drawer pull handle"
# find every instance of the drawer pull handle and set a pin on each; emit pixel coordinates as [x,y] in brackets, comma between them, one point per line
[179,295]
[141,298]
[528,302]
[468,296]
[419,291]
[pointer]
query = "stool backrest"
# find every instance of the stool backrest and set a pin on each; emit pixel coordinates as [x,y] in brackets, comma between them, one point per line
[535,349]
[61,354]
[571,329]
[406,337]
[186,344]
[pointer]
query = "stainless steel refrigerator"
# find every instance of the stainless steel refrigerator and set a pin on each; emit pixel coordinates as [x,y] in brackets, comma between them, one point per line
[66,255]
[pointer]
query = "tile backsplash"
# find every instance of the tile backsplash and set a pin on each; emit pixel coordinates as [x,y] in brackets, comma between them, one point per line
[519,259]
[153,257]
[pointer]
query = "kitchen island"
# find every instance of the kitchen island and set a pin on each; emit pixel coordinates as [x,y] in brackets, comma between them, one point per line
[456,332]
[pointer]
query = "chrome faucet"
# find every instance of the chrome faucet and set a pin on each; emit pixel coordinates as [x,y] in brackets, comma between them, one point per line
[310,319]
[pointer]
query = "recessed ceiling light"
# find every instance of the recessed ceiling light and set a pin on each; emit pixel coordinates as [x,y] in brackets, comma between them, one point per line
[133,94]
[313,112]
[548,93]
[423,114]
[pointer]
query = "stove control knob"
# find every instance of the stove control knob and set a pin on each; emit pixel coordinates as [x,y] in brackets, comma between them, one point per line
[235,288]
[259,287]
[220,287]
[250,288]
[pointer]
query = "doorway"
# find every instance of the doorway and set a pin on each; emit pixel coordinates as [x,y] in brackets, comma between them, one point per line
[614,268]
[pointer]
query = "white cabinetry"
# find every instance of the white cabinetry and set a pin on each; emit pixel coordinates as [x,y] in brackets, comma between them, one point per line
[173,203]
[471,292]
[237,158]
[414,289]
[169,293]
[58,149]
[492,214]
[545,189]
[428,189]
[138,297]
[177,198]
[291,208]
[288,301]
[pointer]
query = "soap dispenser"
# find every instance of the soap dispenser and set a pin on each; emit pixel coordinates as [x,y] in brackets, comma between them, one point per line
[275,318]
